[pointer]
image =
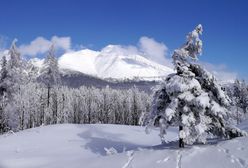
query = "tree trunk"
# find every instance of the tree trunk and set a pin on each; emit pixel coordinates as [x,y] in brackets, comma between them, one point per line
[48,96]
[237,116]
[244,110]
[181,142]
[22,119]
[55,108]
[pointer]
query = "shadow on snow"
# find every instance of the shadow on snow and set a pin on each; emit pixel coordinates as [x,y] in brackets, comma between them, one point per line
[97,140]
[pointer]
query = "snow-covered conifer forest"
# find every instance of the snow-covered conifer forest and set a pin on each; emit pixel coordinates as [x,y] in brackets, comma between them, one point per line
[46,122]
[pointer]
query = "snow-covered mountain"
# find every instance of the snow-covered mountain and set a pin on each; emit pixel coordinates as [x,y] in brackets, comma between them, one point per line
[110,62]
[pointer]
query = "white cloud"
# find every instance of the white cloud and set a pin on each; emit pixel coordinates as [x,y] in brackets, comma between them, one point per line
[62,42]
[154,50]
[40,45]
[121,50]
[221,72]
[3,42]
[147,47]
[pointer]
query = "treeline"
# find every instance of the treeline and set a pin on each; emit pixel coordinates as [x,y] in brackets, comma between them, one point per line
[31,106]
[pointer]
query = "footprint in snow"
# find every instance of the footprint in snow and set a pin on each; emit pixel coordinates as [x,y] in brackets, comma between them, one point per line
[241,148]
[226,151]
[242,162]
[158,161]
[234,159]
[165,160]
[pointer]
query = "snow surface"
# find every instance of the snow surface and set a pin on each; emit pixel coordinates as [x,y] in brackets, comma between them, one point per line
[113,146]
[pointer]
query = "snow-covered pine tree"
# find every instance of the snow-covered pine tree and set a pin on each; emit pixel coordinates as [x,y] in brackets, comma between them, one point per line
[32,72]
[50,70]
[3,76]
[12,77]
[12,73]
[136,106]
[3,89]
[240,97]
[105,105]
[51,78]
[192,99]
[127,107]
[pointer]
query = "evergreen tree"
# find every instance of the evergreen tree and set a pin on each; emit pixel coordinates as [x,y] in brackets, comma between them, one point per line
[3,76]
[3,116]
[12,72]
[12,77]
[51,78]
[192,99]
[136,106]
[240,97]
[50,70]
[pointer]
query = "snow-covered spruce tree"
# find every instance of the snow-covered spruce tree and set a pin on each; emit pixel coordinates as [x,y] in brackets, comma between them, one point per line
[3,88]
[3,116]
[136,106]
[50,70]
[192,99]
[3,76]
[13,75]
[50,76]
[3,98]
[240,97]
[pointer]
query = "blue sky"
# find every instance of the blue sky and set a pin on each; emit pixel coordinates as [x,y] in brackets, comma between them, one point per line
[97,23]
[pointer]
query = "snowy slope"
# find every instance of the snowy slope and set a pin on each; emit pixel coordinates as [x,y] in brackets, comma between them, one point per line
[110,62]
[82,61]
[77,146]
